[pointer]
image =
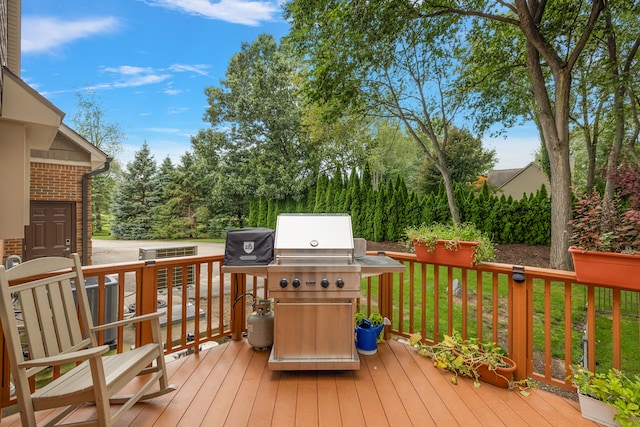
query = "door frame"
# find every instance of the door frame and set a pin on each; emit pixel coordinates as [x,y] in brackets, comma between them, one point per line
[72,219]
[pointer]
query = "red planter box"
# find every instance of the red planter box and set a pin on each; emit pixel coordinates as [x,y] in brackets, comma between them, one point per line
[460,256]
[607,268]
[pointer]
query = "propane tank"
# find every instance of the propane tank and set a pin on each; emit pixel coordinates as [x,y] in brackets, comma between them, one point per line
[260,325]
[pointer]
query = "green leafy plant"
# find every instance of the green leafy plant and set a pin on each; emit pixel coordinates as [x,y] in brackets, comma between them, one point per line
[452,234]
[614,388]
[465,357]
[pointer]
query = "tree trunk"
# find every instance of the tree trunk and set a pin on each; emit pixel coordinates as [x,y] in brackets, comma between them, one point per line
[554,124]
[618,109]
[453,207]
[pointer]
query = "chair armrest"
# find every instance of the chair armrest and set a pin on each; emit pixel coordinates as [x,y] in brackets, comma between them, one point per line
[124,322]
[63,358]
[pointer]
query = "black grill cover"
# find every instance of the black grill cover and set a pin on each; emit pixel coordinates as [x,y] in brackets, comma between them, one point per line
[249,246]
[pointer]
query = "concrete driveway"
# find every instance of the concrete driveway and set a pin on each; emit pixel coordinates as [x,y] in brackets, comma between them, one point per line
[112,251]
[115,251]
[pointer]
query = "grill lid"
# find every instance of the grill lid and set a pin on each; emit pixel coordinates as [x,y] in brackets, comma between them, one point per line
[312,238]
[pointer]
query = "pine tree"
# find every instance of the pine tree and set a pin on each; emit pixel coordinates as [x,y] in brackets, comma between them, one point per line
[136,197]
[253,213]
[354,204]
[161,212]
[322,185]
[272,214]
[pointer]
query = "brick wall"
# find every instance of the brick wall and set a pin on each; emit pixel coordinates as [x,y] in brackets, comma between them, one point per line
[57,182]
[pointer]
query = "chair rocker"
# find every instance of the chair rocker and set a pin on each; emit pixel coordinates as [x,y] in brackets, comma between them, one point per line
[55,329]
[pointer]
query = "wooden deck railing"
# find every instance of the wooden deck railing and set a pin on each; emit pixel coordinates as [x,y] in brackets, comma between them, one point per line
[544,320]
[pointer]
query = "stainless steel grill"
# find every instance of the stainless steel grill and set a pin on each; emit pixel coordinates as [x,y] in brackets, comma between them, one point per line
[314,281]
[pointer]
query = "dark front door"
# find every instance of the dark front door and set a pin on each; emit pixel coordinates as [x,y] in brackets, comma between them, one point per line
[51,231]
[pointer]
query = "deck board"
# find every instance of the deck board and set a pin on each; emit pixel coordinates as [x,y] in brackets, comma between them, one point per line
[231,385]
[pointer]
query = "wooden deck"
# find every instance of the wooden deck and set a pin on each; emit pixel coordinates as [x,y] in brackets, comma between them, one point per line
[231,385]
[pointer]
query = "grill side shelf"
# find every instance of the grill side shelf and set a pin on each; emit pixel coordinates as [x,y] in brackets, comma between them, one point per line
[374,265]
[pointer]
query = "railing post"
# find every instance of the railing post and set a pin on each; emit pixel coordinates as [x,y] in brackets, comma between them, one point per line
[519,285]
[238,311]
[147,301]
[385,299]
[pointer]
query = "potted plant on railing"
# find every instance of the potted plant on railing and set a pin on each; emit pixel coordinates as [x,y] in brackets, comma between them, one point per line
[605,234]
[611,399]
[460,245]
[470,358]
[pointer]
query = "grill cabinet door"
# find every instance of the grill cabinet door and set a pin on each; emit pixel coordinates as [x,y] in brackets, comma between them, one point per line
[314,329]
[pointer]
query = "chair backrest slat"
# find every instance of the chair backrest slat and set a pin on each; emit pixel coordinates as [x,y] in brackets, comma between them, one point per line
[47,332]
[31,323]
[73,326]
[59,320]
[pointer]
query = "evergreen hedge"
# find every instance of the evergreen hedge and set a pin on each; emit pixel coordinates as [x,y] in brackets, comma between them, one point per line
[383,213]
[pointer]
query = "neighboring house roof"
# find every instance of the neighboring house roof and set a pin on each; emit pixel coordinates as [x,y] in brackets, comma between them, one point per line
[516,182]
[499,177]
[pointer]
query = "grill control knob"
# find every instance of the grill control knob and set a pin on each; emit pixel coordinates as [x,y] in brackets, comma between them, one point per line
[340,283]
[296,283]
[284,283]
[324,283]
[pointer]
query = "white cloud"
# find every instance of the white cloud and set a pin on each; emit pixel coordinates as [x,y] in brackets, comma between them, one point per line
[234,11]
[129,76]
[197,68]
[128,70]
[177,110]
[41,34]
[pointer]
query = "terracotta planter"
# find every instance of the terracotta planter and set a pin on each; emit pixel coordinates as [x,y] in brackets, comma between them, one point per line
[461,256]
[607,268]
[501,376]
[598,411]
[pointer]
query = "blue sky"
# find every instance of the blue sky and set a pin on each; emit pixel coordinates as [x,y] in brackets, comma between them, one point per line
[149,61]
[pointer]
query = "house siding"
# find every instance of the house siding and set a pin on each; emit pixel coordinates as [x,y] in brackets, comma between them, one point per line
[57,182]
[528,181]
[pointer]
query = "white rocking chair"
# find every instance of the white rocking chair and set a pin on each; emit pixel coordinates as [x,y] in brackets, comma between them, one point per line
[57,329]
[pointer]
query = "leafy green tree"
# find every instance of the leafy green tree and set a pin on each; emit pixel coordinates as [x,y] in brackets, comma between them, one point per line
[391,153]
[375,59]
[136,196]
[466,160]
[620,22]
[349,42]
[91,123]
[256,137]
[547,40]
